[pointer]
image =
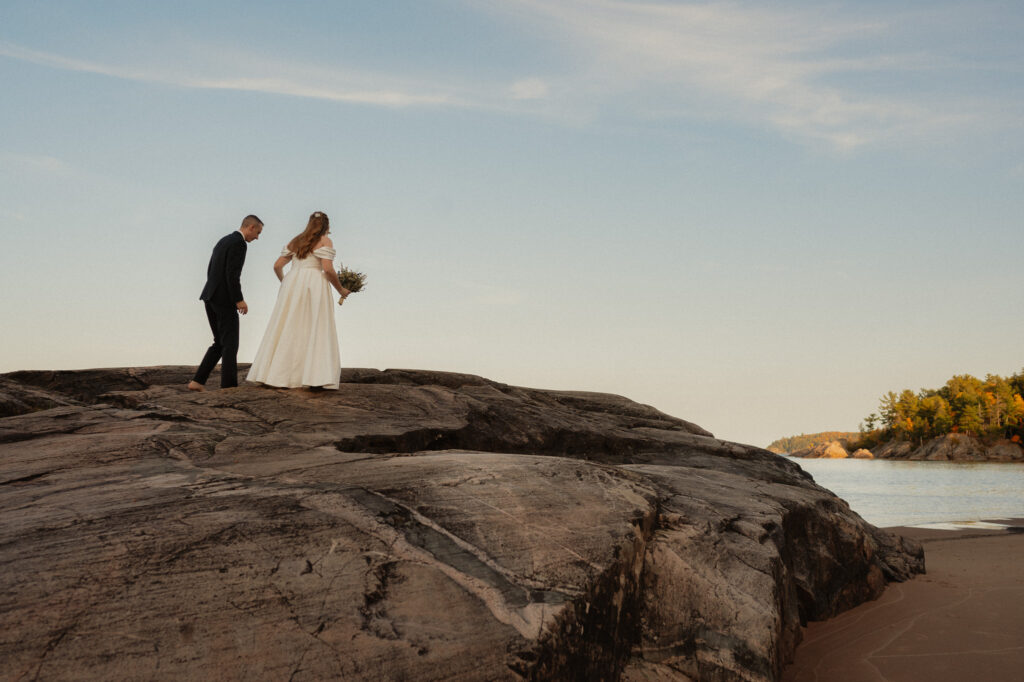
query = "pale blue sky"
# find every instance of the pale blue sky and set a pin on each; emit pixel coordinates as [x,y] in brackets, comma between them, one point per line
[756,216]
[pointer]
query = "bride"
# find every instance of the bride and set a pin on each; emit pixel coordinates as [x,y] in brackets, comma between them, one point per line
[300,346]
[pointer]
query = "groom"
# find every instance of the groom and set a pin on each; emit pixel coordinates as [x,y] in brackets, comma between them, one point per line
[224,302]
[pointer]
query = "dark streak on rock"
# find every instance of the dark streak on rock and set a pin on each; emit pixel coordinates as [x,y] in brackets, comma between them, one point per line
[26,479]
[593,639]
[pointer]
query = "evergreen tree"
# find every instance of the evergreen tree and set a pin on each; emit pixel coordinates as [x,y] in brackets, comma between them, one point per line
[969,420]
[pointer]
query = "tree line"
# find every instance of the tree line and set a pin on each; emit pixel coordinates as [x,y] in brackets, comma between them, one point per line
[989,408]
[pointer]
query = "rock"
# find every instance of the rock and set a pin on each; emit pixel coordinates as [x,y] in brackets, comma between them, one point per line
[831,450]
[861,453]
[952,447]
[893,449]
[17,398]
[1005,451]
[410,525]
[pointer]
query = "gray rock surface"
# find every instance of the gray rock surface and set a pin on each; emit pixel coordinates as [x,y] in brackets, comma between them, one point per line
[951,447]
[411,525]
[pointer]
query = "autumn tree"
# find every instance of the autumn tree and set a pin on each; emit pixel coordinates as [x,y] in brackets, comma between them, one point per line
[993,407]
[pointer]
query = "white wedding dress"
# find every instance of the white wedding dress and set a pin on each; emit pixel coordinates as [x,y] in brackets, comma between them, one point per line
[300,346]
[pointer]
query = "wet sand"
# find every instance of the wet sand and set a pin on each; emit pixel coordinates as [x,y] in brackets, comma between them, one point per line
[961,621]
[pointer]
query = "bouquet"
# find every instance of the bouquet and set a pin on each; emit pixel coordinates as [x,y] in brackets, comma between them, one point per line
[350,279]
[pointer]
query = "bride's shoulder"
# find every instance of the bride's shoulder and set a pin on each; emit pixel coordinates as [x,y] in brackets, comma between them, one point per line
[325,241]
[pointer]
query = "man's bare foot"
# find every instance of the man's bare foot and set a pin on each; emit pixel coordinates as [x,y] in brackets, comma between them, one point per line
[196,386]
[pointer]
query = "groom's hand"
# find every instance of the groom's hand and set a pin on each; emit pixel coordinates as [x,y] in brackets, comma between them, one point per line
[243,307]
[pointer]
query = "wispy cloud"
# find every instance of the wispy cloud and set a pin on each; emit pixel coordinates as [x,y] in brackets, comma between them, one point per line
[269,77]
[35,163]
[814,75]
[750,62]
[529,88]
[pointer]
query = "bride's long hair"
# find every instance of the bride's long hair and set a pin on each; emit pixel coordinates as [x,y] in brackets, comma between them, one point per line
[303,244]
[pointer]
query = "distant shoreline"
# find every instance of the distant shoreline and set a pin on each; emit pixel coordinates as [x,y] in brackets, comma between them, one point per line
[951,447]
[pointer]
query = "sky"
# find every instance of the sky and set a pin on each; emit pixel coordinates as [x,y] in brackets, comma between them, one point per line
[759,217]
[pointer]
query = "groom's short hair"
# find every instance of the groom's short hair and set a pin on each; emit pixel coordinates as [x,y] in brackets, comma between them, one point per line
[251,220]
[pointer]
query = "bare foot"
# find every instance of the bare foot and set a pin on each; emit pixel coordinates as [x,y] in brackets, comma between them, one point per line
[196,386]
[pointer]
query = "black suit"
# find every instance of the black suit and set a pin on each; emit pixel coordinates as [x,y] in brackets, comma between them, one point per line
[222,293]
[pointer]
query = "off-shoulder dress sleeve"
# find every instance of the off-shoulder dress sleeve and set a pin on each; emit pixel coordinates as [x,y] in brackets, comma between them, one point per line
[285,253]
[325,252]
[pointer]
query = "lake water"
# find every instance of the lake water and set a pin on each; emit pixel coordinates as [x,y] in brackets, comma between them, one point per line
[901,493]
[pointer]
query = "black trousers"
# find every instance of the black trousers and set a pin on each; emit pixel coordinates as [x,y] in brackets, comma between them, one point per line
[224,325]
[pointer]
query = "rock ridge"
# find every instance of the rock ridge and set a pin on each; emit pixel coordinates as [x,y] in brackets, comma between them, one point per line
[412,524]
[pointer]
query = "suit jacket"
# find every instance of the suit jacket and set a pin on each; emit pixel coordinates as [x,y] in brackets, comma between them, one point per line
[224,273]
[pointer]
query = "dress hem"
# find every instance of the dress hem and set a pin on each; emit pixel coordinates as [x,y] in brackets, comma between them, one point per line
[327,387]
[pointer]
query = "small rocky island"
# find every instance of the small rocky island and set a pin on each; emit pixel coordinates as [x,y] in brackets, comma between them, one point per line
[412,525]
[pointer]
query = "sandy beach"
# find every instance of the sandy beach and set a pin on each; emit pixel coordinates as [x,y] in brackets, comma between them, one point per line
[963,620]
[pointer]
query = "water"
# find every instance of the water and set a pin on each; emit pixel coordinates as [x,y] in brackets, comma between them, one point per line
[901,493]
